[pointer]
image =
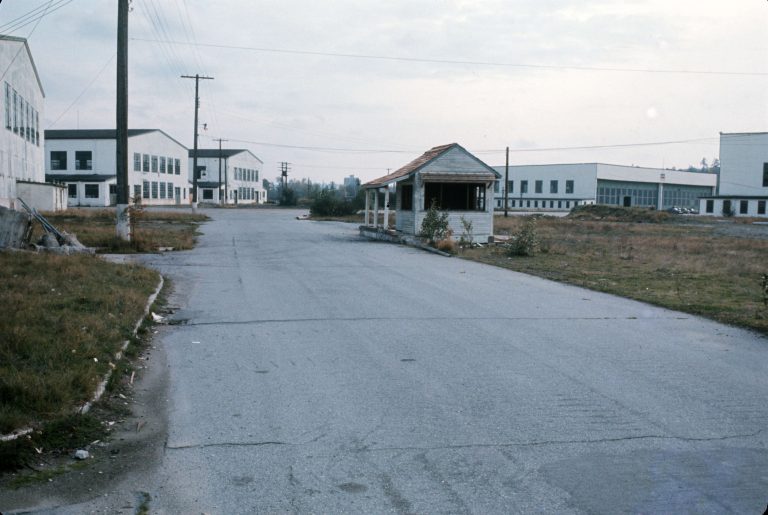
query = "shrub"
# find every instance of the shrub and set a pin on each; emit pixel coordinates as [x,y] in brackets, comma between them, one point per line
[328,204]
[434,227]
[467,238]
[526,242]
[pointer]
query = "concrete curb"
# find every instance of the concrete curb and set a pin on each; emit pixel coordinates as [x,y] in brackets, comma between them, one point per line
[381,235]
[102,387]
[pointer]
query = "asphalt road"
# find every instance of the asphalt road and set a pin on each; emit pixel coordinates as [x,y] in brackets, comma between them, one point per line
[315,372]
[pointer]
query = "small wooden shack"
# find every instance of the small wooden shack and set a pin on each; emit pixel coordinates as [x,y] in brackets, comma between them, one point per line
[459,183]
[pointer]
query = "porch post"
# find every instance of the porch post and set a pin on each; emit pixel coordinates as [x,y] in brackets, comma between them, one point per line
[376,208]
[386,208]
[367,207]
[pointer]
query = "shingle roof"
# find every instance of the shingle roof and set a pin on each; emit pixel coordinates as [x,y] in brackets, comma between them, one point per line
[411,167]
[426,158]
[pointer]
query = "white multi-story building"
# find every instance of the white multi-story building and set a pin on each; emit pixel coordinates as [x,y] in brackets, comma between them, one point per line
[743,186]
[564,186]
[21,145]
[231,174]
[84,160]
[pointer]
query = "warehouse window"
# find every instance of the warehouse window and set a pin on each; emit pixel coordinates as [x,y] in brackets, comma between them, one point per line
[145,189]
[178,166]
[761,207]
[8,124]
[162,190]
[136,162]
[569,186]
[553,186]
[743,207]
[523,187]
[72,190]
[162,164]
[154,164]
[136,192]
[765,175]
[710,206]
[170,165]
[154,189]
[538,186]
[91,191]
[145,162]
[170,190]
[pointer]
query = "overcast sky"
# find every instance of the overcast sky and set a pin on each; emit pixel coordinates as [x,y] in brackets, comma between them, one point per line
[535,74]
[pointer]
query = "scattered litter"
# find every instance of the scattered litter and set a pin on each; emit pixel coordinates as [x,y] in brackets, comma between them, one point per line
[95,360]
[157,318]
[133,374]
[121,396]
[82,454]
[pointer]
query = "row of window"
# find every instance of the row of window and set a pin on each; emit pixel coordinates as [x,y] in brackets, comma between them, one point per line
[247,194]
[146,190]
[246,174]
[156,164]
[728,208]
[21,117]
[538,186]
[83,160]
[535,203]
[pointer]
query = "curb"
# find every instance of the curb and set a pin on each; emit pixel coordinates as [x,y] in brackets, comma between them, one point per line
[101,388]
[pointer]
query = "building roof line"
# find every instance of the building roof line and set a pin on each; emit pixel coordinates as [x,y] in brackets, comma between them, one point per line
[4,37]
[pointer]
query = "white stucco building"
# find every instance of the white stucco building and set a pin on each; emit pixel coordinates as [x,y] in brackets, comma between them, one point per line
[743,186]
[558,187]
[21,145]
[231,174]
[84,160]
[449,175]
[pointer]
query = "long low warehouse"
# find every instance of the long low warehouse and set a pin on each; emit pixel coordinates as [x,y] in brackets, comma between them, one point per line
[563,186]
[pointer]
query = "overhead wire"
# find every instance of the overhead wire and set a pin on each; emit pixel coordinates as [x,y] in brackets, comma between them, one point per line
[77,99]
[34,15]
[469,62]
[21,47]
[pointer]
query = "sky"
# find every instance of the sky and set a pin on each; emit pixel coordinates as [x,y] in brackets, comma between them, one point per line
[343,87]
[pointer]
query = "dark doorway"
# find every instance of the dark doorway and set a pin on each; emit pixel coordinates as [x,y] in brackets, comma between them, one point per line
[627,201]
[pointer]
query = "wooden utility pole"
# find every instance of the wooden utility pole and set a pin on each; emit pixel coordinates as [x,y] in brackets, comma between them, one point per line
[226,194]
[506,183]
[123,228]
[197,78]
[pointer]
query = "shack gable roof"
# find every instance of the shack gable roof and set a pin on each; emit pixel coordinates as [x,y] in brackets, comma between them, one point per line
[482,172]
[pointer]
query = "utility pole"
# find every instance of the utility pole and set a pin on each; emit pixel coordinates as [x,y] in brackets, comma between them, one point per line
[284,167]
[506,184]
[123,222]
[226,194]
[197,78]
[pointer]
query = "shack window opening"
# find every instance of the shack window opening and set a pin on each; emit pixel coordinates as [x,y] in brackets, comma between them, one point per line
[406,197]
[455,197]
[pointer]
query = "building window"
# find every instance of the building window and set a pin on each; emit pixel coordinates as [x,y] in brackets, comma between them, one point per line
[15,112]
[58,160]
[743,207]
[162,190]
[568,186]
[765,175]
[727,211]
[91,191]
[553,186]
[710,206]
[83,160]
[761,207]
[559,204]
[207,194]
[72,190]
[145,162]
[145,189]
[170,190]
[154,164]
[37,128]
[8,124]
[496,187]
[523,187]
[406,197]
[539,186]
[567,204]
[170,165]
[136,162]
[162,164]
[510,186]
[185,193]
[154,189]
[513,203]
[527,203]
[535,203]
[177,164]
[136,192]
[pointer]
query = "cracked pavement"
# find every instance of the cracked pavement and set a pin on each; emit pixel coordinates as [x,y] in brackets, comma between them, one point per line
[314,372]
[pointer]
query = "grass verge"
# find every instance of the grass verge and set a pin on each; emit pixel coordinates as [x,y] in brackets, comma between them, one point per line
[152,229]
[65,317]
[690,267]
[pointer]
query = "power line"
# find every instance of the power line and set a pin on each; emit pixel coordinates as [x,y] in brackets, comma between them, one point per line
[76,100]
[464,62]
[34,15]
[22,46]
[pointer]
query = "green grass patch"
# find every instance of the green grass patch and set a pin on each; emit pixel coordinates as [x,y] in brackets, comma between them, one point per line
[687,266]
[64,318]
[152,229]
